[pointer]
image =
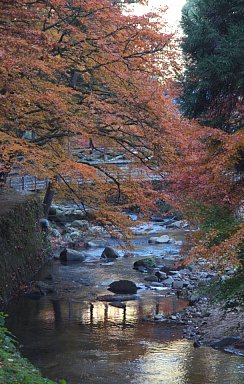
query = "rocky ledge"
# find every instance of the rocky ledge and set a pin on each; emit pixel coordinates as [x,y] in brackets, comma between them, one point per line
[211,324]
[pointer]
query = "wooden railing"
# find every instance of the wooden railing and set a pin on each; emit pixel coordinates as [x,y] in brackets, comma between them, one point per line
[32,183]
[26,183]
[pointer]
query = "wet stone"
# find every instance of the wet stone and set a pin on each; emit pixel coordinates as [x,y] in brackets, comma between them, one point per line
[123,286]
[109,253]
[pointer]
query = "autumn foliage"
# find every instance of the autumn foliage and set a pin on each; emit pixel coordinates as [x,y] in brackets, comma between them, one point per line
[82,74]
[207,186]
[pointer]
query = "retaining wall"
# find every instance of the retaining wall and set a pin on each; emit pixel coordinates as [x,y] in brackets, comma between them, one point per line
[23,247]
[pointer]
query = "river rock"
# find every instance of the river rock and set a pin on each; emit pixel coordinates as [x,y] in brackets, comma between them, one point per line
[75,235]
[168,282]
[178,284]
[151,279]
[90,244]
[80,224]
[109,253]
[139,232]
[175,224]
[63,215]
[96,230]
[67,238]
[157,218]
[159,317]
[156,284]
[54,232]
[165,269]
[68,254]
[194,298]
[147,263]
[225,342]
[165,239]
[44,223]
[161,275]
[116,298]
[123,286]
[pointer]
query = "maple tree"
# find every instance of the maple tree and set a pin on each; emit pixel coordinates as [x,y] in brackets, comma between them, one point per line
[206,184]
[85,75]
[79,72]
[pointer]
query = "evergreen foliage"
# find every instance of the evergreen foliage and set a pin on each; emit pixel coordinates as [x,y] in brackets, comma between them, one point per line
[230,291]
[213,48]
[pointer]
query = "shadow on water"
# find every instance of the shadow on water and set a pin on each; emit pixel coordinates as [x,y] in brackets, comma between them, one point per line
[73,335]
[99,343]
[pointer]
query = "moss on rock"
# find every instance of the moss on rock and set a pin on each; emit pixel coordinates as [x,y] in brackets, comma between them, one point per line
[23,243]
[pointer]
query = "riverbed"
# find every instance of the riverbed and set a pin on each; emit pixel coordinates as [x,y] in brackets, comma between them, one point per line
[74,335]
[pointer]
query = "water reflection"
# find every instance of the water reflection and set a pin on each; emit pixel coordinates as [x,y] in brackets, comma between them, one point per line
[102,312]
[73,335]
[95,342]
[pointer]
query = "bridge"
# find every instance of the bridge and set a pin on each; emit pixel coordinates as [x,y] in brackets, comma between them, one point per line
[126,170]
[32,183]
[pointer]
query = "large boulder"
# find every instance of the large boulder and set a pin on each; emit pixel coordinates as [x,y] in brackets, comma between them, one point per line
[147,263]
[159,240]
[123,286]
[68,254]
[109,253]
[62,215]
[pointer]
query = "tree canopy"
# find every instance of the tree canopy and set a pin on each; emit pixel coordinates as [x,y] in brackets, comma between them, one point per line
[83,75]
[213,47]
[73,72]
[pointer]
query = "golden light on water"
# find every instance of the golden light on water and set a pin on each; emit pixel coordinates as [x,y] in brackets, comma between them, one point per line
[100,312]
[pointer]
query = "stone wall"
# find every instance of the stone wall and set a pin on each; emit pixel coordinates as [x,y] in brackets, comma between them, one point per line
[23,247]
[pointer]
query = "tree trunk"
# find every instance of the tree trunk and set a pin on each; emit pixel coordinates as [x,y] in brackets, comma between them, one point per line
[48,199]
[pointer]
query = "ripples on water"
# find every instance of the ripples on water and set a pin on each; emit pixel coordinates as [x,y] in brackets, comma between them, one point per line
[68,337]
[103,344]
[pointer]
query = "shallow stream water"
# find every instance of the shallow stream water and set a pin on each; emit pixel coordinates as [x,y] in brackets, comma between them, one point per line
[73,335]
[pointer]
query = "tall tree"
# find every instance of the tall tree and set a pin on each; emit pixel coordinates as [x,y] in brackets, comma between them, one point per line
[76,72]
[213,47]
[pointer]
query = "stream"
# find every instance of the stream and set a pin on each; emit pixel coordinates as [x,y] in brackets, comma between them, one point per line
[73,335]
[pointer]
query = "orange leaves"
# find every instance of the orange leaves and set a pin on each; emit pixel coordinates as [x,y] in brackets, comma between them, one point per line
[218,256]
[207,178]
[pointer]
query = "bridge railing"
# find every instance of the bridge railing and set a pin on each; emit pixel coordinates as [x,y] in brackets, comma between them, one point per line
[26,183]
[32,183]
